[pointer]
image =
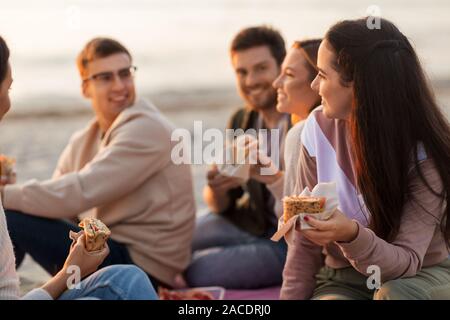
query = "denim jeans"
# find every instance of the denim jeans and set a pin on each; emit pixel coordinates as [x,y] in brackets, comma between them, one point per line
[118,282]
[224,255]
[47,242]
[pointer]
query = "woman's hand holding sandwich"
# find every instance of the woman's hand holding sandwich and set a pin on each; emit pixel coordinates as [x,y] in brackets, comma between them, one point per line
[87,262]
[337,228]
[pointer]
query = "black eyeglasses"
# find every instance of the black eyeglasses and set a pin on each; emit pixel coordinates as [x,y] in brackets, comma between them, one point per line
[107,77]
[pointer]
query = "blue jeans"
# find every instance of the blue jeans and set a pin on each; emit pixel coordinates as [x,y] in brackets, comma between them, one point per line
[47,242]
[118,282]
[224,255]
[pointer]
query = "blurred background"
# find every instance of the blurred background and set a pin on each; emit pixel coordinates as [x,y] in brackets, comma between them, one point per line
[181,50]
[181,46]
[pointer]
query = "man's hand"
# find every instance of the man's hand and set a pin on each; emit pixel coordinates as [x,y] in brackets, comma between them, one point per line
[337,228]
[220,184]
[215,193]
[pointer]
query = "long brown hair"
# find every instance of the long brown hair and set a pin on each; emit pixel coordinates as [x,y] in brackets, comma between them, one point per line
[309,48]
[394,111]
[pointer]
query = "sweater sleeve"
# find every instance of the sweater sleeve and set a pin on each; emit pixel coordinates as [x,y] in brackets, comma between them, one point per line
[139,148]
[304,258]
[37,294]
[276,189]
[9,280]
[62,167]
[287,183]
[421,219]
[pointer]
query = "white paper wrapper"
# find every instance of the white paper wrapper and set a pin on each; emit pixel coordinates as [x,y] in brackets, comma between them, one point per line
[74,237]
[327,190]
[241,169]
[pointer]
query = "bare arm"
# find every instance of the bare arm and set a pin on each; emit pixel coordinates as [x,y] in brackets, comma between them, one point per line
[78,256]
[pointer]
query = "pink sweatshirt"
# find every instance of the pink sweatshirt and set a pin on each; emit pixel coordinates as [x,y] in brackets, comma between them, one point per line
[419,243]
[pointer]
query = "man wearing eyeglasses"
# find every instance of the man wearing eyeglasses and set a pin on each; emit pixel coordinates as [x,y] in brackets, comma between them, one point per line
[117,169]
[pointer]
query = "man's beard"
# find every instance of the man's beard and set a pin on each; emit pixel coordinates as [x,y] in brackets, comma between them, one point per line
[269,101]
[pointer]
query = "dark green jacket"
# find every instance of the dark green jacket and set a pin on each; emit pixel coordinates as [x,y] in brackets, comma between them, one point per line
[252,213]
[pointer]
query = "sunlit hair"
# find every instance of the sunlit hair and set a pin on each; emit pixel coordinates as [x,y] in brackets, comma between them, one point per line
[98,48]
[4,57]
[310,48]
[394,111]
[260,36]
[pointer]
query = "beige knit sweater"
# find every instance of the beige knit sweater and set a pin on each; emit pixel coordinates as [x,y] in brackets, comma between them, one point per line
[9,280]
[127,179]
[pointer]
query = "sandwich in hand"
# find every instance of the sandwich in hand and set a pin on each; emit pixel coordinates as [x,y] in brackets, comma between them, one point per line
[7,173]
[96,233]
[295,205]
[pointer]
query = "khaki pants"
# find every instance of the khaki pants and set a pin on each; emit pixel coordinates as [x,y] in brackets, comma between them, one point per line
[432,283]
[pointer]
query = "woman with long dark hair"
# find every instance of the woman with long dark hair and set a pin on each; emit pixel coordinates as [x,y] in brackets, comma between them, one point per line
[381,137]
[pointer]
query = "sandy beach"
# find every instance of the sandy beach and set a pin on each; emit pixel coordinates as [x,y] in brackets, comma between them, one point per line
[36,140]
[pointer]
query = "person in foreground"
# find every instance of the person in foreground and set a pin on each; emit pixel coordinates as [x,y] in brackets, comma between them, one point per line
[381,137]
[117,169]
[112,283]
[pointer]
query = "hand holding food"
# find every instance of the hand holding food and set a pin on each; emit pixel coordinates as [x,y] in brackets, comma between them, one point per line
[337,228]
[263,169]
[7,173]
[319,204]
[78,260]
[87,262]
[96,234]
[219,183]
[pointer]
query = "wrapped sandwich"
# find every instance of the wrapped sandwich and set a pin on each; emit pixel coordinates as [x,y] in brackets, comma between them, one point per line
[7,173]
[237,162]
[96,233]
[295,205]
[320,203]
